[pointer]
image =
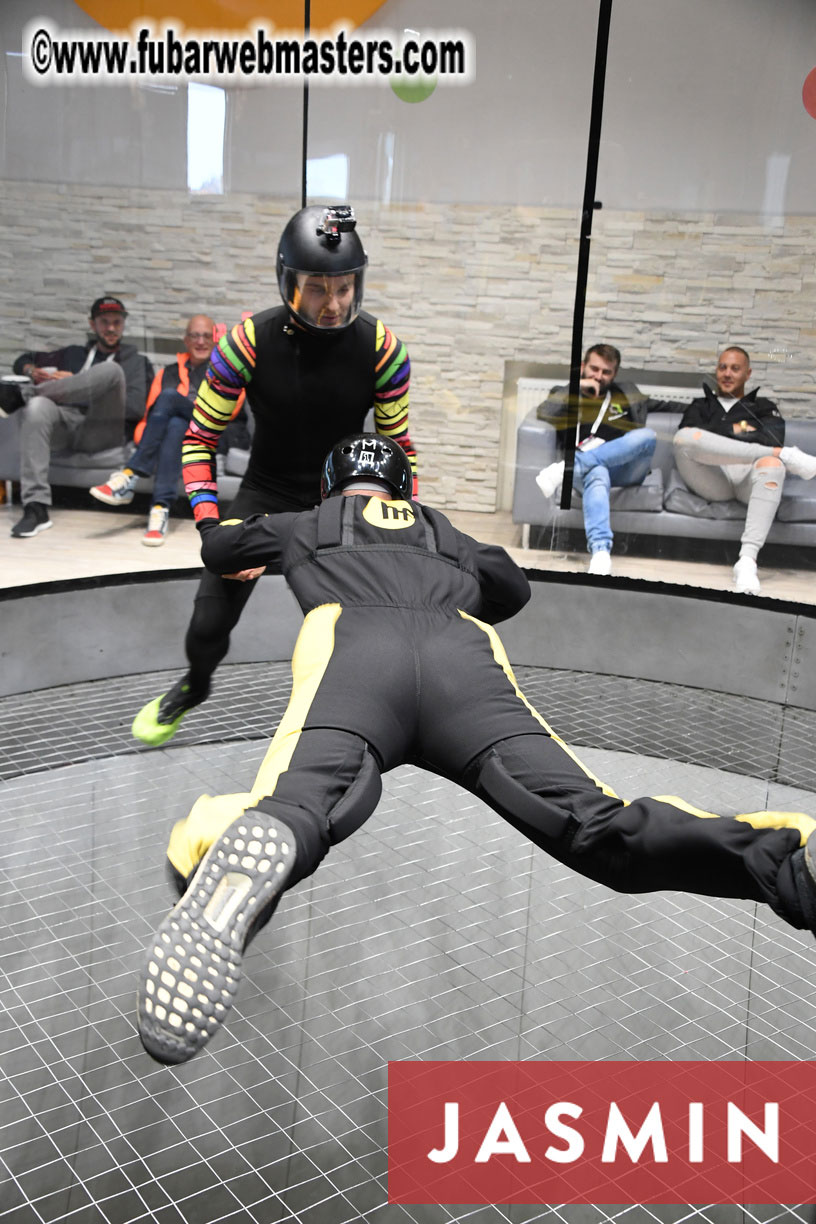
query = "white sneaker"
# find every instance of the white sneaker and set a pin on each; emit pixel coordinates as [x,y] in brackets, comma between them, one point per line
[156,527]
[118,491]
[798,462]
[601,563]
[746,579]
[549,478]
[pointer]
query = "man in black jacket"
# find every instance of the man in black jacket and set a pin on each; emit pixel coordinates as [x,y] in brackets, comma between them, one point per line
[732,445]
[613,447]
[83,397]
[398,661]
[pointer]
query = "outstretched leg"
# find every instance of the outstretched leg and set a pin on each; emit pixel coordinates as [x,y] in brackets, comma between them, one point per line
[237,854]
[493,741]
[647,844]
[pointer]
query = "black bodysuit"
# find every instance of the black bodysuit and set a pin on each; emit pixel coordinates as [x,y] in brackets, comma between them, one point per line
[397,661]
[305,393]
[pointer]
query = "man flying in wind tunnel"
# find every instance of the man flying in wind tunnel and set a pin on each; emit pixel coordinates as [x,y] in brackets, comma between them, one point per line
[398,661]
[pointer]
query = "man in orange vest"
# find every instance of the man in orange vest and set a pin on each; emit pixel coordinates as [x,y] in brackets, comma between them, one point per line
[160,432]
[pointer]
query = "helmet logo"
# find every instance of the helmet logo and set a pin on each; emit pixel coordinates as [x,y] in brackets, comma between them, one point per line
[367,456]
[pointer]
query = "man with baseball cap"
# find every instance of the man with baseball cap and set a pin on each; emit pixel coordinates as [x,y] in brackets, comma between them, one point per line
[85,397]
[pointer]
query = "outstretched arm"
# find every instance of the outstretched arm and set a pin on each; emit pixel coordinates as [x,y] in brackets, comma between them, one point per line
[238,544]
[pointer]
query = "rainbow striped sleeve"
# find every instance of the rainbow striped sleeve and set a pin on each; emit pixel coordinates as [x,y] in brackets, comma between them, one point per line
[392,378]
[232,363]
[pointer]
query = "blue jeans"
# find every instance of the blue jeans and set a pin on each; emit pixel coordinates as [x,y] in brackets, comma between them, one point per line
[623,461]
[159,450]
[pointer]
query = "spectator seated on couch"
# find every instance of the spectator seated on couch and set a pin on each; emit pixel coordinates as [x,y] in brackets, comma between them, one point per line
[731,446]
[78,398]
[612,446]
[160,433]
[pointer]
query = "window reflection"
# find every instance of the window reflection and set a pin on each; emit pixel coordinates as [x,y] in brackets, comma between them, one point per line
[469,199]
[327,178]
[206,123]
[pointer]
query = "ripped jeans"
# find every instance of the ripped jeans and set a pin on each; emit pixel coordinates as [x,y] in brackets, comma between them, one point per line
[719,469]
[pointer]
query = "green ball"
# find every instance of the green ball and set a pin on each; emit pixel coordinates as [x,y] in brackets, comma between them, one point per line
[413,89]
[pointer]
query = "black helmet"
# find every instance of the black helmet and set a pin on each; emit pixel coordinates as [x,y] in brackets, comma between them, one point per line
[368,456]
[321,267]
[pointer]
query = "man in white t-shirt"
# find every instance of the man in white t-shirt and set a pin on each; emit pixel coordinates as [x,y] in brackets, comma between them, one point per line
[732,445]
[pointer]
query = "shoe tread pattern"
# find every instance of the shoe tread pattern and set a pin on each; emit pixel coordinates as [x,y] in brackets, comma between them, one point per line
[193,966]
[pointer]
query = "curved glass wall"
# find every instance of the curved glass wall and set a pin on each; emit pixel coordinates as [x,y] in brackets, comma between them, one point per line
[705,239]
[171,192]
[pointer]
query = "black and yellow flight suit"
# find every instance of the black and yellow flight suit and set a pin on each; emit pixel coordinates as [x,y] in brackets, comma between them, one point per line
[397,661]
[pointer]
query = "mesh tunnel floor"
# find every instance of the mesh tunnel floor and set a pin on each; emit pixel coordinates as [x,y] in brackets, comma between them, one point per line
[436,932]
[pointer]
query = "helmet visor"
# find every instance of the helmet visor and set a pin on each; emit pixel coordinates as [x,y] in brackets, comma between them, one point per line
[321,301]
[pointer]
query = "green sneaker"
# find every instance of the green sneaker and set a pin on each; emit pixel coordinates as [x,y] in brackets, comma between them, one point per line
[157,722]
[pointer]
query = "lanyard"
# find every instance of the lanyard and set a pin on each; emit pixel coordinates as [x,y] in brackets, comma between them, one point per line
[92,351]
[596,424]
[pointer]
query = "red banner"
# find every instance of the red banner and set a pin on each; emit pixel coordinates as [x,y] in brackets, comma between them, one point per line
[602,1132]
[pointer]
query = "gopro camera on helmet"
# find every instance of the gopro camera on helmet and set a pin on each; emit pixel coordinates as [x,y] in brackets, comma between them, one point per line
[321,268]
[337,221]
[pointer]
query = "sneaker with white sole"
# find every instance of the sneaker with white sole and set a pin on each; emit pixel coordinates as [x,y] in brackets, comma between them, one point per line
[549,478]
[194,961]
[798,462]
[746,578]
[119,489]
[156,530]
[601,563]
[35,519]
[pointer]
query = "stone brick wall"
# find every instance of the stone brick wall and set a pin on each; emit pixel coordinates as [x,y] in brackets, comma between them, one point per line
[467,287]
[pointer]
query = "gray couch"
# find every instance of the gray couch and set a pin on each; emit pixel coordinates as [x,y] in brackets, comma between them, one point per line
[82,470]
[663,505]
[78,469]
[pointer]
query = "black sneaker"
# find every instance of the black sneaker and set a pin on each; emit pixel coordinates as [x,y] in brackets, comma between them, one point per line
[157,721]
[35,519]
[194,961]
[11,395]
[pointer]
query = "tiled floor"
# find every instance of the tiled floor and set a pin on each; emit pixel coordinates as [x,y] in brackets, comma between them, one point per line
[436,932]
[484,949]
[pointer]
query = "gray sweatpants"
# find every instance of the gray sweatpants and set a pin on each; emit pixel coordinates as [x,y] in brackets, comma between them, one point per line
[719,469]
[54,418]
